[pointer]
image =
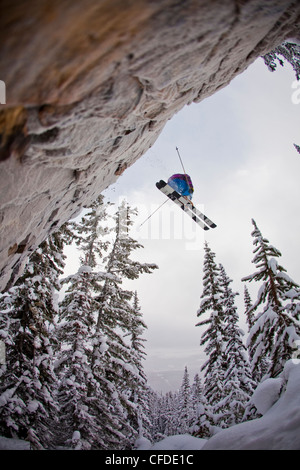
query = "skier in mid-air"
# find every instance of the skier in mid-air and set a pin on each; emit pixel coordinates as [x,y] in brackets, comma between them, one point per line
[179,189]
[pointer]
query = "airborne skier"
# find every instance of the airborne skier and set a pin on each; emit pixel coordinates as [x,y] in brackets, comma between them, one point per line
[183,200]
[180,190]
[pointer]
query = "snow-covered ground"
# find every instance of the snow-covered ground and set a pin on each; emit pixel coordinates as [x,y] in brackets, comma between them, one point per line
[278,429]
[179,442]
[278,400]
[13,444]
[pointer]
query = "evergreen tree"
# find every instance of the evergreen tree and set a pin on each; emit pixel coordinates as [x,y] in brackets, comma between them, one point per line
[196,401]
[103,387]
[214,336]
[28,407]
[77,387]
[238,383]
[86,416]
[141,394]
[248,308]
[204,426]
[136,330]
[185,404]
[155,415]
[170,414]
[196,390]
[91,232]
[290,52]
[250,317]
[114,366]
[276,326]
[203,418]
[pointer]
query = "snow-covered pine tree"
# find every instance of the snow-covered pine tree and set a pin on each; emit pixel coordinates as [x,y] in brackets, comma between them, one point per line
[79,395]
[91,232]
[290,51]
[77,386]
[196,401]
[250,317]
[184,404]
[204,426]
[169,414]
[238,382]
[214,336]
[113,362]
[136,330]
[156,415]
[276,326]
[28,408]
[141,394]
[202,419]
[196,391]
[248,308]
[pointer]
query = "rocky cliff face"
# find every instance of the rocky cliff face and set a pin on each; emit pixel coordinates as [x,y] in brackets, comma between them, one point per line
[90,85]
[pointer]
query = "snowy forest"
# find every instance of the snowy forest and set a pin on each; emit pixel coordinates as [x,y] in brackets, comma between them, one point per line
[73,375]
[72,349]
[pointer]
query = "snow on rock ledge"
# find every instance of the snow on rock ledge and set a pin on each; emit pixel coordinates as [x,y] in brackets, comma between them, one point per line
[90,85]
[278,428]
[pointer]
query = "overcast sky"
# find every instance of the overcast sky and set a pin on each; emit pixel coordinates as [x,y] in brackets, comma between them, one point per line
[238,148]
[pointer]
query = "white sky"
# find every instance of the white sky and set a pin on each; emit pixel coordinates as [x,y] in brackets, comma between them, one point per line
[238,148]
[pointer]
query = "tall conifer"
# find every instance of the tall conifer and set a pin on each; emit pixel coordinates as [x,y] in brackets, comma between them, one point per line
[185,404]
[276,326]
[238,382]
[214,335]
[28,407]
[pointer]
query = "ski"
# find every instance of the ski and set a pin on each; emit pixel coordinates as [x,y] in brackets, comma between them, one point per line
[186,205]
[181,202]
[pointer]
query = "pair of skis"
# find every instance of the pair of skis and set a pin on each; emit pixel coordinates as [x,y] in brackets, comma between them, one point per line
[186,205]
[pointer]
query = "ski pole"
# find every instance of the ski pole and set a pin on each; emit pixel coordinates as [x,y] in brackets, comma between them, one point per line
[180,160]
[154,212]
[182,166]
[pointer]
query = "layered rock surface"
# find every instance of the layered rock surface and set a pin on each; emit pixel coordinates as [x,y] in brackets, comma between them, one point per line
[90,85]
